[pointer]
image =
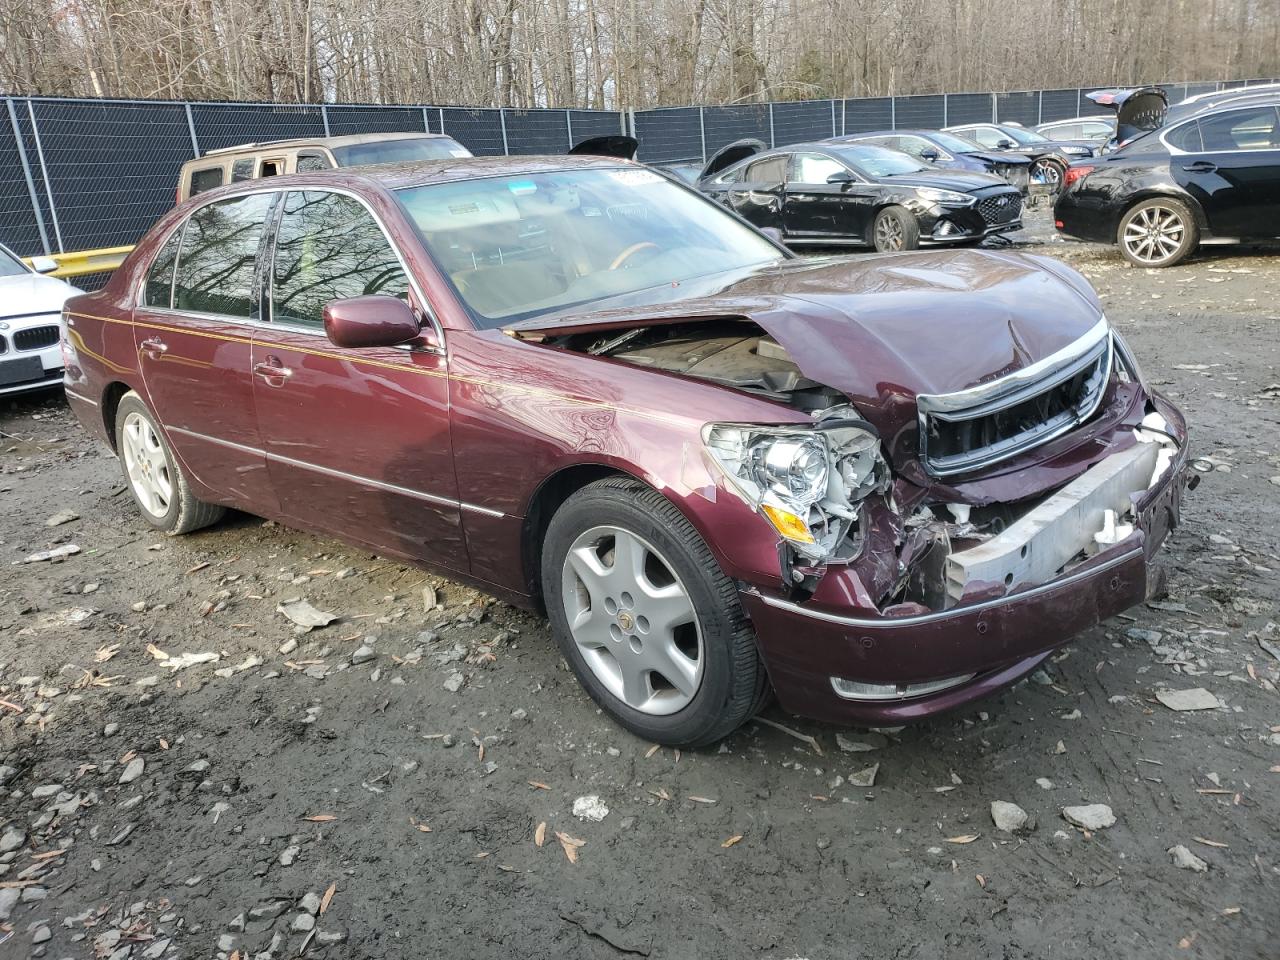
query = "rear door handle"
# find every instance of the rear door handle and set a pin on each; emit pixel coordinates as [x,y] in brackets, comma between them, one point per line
[1200,166]
[272,369]
[154,347]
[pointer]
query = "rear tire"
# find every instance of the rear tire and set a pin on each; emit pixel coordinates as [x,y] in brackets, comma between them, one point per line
[895,228]
[618,561]
[153,475]
[1051,173]
[1158,232]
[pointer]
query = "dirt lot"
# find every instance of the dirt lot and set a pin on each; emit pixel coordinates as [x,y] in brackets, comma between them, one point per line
[151,810]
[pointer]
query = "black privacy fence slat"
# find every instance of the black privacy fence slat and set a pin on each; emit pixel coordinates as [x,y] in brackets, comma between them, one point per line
[79,175]
[669,135]
[344,121]
[804,120]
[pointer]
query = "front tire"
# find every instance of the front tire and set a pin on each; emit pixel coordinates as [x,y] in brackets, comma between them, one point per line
[1158,233]
[895,228]
[153,474]
[643,614]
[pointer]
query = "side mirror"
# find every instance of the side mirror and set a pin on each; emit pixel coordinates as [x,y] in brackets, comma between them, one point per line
[1005,144]
[841,177]
[374,321]
[929,154]
[44,264]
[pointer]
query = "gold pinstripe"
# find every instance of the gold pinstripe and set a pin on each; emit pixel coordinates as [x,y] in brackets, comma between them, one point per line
[369,361]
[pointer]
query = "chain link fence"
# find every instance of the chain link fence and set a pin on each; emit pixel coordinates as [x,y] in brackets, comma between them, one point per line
[84,174]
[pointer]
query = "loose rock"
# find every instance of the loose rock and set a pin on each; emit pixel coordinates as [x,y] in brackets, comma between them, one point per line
[1008,817]
[1092,816]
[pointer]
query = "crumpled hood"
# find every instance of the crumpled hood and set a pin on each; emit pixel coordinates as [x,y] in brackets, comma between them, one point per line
[883,329]
[1000,156]
[31,293]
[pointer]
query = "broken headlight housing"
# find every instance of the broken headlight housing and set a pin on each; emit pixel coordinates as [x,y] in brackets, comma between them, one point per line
[808,482]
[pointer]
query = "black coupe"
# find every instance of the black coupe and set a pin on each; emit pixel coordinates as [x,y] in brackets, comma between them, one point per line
[1211,178]
[851,194]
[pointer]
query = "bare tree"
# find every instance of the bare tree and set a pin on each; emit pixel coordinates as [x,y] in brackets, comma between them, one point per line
[618,53]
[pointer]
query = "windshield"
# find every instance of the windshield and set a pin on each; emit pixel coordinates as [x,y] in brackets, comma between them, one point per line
[1026,137]
[399,151]
[955,144]
[877,161]
[10,266]
[522,246]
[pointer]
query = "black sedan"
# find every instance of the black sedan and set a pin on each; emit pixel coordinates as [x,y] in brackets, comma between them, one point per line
[948,152]
[854,194]
[1049,158]
[1212,178]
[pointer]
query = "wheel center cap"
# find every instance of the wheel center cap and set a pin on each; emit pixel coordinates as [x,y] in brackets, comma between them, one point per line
[625,620]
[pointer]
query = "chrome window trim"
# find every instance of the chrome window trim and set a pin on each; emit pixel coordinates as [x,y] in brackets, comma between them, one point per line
[339,474]
[270,324]
[955,612]
[1177,152]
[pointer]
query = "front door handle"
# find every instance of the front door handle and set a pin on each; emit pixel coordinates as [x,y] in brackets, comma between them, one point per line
[154,348]
[273,371]
[1200,166]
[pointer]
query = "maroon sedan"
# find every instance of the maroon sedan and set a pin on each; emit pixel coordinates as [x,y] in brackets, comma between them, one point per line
[877,488]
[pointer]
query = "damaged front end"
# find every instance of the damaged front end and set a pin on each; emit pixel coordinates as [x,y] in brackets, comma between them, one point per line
[932,546]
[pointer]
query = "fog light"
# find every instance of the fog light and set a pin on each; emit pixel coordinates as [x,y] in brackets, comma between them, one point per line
[857,690]
[945,228]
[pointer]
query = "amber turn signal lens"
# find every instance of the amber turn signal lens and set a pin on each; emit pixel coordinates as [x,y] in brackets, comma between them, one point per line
[788,524]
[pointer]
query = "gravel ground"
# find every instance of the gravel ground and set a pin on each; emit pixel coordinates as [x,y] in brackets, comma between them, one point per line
[409,781]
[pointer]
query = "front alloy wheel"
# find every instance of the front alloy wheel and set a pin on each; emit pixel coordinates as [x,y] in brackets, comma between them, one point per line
[895,228]
[1158,233]
[632,620]
[643,614]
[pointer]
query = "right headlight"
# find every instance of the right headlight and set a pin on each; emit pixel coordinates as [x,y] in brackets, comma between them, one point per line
[808,482]
[950,197]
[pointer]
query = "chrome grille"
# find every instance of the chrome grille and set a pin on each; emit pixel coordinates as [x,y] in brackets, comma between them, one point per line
[973,429]
[1002,208]
[35,338]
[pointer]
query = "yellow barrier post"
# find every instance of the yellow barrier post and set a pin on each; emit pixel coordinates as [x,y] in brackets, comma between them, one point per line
[87,261]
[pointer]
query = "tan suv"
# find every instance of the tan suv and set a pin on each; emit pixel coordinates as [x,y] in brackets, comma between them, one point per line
[275,158]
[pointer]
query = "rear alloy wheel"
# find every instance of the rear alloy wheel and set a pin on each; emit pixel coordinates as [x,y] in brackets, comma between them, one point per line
[895,229]
[650,625]
[159,487]
[1048,173]
[1158,233]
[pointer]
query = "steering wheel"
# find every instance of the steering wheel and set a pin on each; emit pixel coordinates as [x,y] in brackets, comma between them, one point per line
[630,252]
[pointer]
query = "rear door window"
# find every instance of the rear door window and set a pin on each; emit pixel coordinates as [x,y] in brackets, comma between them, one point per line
[159,288]
[1185,137]
[1068,131]
[310,162]
[219,253]
[242,169]
[329,247]
[206,179]
[1254,129]
[769,170]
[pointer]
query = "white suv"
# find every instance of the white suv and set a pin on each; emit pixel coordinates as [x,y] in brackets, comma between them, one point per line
[30,309]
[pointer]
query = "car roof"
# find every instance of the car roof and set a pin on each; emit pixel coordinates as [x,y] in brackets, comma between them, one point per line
[342,141]
[900,131]
[396,176]
[1095,118]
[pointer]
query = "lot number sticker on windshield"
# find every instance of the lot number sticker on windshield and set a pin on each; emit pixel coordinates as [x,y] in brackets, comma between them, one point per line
[633,178]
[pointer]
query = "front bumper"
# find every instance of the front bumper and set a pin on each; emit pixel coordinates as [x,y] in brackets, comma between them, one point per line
[968,651]
[30,369]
